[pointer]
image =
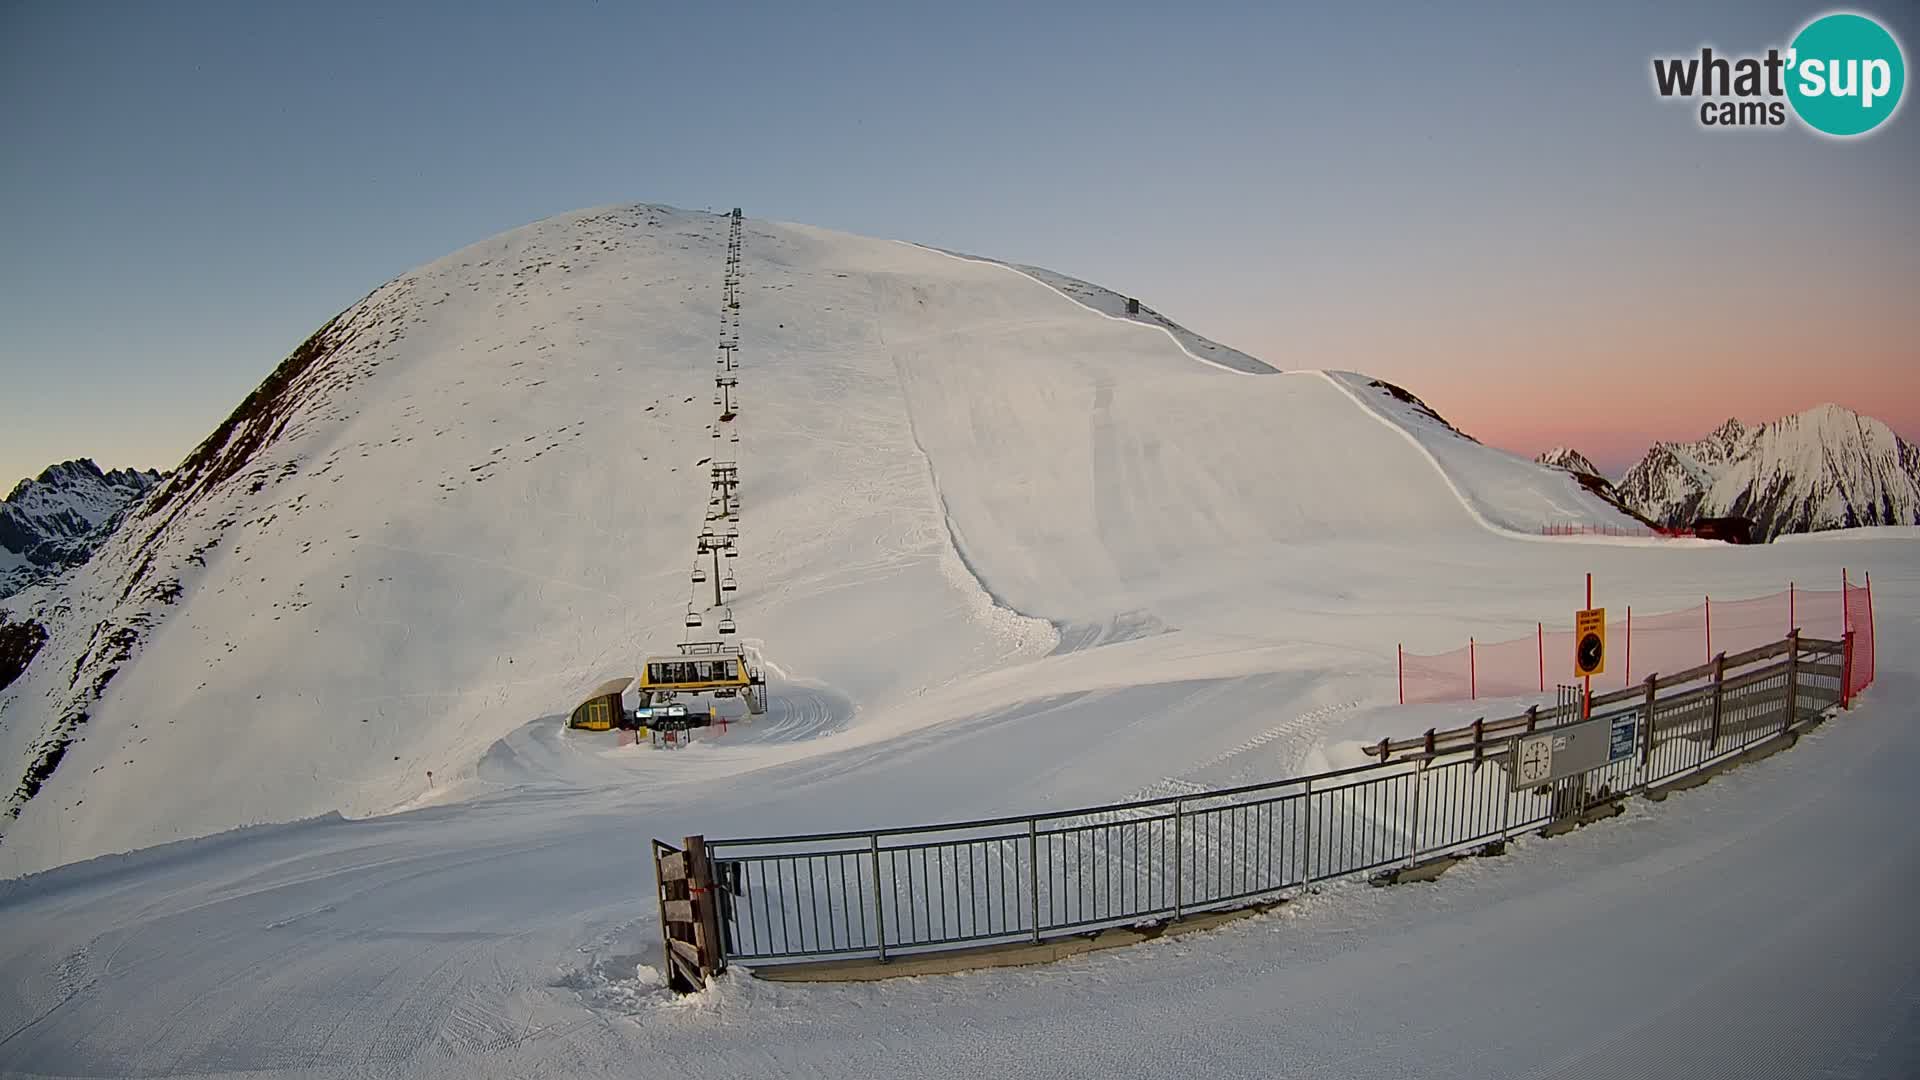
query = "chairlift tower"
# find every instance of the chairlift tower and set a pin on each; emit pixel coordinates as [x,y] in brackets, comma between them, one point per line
[713,544]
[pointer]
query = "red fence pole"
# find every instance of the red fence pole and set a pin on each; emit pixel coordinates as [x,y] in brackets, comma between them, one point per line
[1400,664]
[1540,629]
[1793,617]
[1709,629]
[1873,645]
[1629,644]
[1473,676]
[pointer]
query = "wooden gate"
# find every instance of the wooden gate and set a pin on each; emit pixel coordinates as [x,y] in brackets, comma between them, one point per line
[689,917]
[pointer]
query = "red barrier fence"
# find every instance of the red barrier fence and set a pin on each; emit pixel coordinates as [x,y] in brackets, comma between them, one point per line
[1642,645]
[1562,528]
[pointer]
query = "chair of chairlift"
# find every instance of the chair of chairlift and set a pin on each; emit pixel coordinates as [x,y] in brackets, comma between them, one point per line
[693,617]
[728,584]
[699,574]
[726,622]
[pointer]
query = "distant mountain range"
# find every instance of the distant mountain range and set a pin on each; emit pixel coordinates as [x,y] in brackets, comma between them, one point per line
[53,522]
[1826,468]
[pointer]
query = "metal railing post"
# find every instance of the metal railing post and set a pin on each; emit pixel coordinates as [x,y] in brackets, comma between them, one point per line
[1846,662]
[1033,873]
[1179,886]
[879,905]
[1793,682]
[1306,837]
[1506,790]
[1413,837]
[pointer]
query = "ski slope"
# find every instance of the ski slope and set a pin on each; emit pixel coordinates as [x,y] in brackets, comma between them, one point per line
[479,501]
[1739,930]
[1001,551]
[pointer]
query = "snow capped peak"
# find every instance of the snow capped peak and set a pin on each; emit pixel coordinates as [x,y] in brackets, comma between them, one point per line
[1731,431]
[1562,457]
[53,522]
[1826,467]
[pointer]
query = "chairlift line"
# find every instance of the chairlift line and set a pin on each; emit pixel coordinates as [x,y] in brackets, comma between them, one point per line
[725,671]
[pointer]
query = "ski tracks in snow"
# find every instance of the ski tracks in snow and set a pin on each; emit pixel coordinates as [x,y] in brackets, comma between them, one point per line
[1298,735]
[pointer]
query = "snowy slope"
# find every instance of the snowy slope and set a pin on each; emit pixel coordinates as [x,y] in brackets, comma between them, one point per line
[1113,305]
[472,496]
[1504,492]
[512,935]
[54,521]
[1825,468]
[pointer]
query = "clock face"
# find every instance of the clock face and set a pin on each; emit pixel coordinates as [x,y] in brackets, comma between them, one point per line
[1588,659]
[1536,761]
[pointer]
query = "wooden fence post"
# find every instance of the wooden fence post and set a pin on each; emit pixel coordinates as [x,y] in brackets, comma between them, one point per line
[672,880]
[1646,746]
[706,907]
[1719,693]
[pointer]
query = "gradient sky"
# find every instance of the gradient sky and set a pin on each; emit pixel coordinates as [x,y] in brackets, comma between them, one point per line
[1482,201]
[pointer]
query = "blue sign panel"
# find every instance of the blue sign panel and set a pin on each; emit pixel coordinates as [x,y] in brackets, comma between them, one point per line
[1620,738]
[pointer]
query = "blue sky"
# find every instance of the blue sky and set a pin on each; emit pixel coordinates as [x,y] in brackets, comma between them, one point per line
[1485,202]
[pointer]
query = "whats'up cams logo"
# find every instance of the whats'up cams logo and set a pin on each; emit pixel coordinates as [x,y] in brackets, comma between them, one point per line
[1842,75]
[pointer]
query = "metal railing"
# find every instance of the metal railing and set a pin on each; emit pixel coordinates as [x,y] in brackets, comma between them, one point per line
[890,892]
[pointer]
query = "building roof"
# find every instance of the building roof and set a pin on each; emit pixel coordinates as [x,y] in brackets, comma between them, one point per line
[608,688]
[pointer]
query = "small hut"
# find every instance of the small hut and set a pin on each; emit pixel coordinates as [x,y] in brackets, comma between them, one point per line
[602,708]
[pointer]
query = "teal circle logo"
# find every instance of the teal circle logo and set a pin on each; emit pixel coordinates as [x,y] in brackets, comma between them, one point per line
[1845,74]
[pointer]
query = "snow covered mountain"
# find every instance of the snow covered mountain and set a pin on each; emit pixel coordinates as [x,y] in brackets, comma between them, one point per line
[473,495]
[1826,468]
[1561,457]
[54,521]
